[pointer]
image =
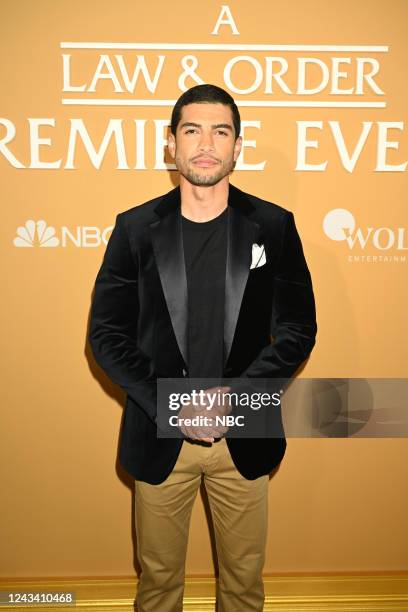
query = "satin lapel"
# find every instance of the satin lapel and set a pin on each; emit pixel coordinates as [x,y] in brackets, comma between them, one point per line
[167,243]
[242,234]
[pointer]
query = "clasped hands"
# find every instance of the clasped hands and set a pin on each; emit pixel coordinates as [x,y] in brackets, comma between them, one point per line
[208,430]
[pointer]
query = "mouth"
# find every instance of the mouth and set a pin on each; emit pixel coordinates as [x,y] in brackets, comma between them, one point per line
[205,162]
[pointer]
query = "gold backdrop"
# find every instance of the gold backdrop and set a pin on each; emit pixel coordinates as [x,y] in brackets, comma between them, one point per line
[87,89]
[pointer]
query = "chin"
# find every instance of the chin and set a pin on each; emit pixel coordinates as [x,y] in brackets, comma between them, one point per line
[203,180]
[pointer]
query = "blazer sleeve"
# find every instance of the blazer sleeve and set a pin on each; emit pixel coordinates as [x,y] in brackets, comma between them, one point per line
[113,323]
[293,324]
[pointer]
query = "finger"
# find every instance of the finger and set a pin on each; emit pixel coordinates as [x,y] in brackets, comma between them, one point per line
[200,434]
[205,433]
[192,433]
[219,389]
[195,435]
[222,429]
[219,433]
[187,430]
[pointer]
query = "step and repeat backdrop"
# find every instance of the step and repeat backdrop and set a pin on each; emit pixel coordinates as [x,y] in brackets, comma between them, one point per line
[86,97]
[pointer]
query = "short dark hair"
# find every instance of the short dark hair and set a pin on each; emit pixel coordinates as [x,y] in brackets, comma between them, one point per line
[205,94]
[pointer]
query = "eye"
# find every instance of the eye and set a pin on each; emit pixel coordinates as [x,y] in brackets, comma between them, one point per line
[191,131]
[222,132]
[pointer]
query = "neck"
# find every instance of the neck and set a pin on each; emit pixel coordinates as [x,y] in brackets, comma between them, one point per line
[201,203]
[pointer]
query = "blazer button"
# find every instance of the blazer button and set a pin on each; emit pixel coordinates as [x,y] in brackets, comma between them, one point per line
[184,372]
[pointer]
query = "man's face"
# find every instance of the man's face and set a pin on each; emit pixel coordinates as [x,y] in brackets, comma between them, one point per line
[205,148]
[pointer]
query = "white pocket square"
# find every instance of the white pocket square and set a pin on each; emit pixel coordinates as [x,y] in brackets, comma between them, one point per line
[258,256]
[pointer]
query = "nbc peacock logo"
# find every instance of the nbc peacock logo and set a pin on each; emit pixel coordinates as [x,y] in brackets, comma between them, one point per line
[39,234]
[36,233]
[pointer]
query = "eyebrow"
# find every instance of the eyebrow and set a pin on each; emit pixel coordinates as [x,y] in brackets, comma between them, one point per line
[226,126]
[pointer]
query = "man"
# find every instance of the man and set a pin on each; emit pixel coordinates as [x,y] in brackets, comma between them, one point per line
[177,296]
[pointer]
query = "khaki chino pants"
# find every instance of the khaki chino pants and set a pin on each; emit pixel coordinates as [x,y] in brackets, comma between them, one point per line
[239,509]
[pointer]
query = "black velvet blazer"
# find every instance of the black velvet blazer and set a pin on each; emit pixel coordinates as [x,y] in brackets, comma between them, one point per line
[138,321]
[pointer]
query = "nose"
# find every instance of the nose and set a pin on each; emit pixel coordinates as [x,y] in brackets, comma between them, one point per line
[206,142]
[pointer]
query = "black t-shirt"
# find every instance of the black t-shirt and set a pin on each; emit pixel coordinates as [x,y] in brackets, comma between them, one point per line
[205,254]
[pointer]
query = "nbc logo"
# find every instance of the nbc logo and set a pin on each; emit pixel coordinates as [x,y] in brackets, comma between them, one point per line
[35,233]
[38,233]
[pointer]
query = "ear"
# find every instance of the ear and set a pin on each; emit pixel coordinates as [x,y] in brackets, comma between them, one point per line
[171,145]
[237,147]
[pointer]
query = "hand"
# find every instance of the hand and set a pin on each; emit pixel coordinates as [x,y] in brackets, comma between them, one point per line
[206,411]
[220,405]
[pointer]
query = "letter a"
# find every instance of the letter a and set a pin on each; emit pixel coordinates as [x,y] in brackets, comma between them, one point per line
[225,18]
